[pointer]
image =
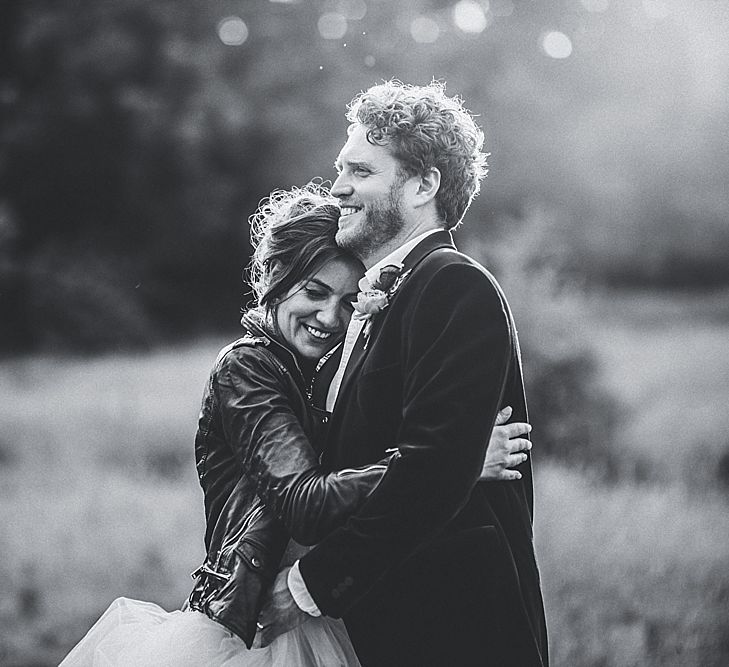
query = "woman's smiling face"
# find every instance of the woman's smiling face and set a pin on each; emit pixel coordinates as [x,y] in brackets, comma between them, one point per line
[314,314]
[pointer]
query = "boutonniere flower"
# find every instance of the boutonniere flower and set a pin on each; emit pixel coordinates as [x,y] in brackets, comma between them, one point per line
[373,299]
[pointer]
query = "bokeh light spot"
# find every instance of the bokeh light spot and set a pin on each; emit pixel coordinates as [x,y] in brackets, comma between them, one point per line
[557,45]
[424,30]
[469,16]
[232,31]
[332,25]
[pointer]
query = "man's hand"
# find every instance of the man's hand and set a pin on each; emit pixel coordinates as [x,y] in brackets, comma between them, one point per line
[506,449]
[280,612]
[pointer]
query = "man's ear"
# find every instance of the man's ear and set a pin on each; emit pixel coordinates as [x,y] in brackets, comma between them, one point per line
[428,187]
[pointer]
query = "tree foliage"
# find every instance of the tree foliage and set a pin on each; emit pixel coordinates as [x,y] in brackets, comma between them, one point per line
[135,144]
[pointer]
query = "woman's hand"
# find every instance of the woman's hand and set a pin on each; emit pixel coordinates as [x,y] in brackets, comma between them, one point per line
[506,450]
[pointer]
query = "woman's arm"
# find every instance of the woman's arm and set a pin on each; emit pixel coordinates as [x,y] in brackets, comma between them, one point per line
[256,404]
[316,503]
[313,503]
[261,423]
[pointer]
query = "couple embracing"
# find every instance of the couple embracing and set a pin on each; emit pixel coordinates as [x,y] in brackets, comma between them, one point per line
[362,506]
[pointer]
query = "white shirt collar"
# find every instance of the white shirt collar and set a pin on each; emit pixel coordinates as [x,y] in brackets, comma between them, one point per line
[395,257]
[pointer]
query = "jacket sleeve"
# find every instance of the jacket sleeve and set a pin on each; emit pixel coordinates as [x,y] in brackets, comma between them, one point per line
[456,348]
[260,423]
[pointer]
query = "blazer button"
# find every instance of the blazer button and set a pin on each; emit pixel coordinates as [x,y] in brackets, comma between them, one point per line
[255,561]
[348,581]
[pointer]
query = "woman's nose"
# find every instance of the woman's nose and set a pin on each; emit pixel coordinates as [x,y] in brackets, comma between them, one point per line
[330,316]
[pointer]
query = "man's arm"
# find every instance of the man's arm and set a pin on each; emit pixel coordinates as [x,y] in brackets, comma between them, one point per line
[459,345]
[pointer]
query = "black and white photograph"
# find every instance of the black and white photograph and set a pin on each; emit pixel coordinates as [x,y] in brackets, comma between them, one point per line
[355,333]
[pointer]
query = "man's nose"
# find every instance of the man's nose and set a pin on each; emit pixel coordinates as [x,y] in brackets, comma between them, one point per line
[341,187]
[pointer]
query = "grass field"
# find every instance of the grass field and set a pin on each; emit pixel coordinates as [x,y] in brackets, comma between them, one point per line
[633,575]
[99,496]
[666,361]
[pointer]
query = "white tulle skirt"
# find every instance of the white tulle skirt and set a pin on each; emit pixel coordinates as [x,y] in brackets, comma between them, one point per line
[132,633]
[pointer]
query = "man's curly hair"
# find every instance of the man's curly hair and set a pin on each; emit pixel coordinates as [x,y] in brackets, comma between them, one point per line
[424,128]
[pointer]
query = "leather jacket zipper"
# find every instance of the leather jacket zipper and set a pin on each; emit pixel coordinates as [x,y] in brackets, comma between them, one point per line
[308,390]
[206,569]
[353,471]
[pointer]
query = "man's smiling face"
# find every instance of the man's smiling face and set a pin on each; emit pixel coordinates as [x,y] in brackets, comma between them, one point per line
[370,190]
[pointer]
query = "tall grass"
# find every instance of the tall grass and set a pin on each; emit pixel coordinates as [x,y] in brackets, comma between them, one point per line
[98,498]
[633,575]
[665,360]
[99,493]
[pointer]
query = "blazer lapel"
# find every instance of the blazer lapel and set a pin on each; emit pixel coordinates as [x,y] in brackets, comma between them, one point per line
[436,241]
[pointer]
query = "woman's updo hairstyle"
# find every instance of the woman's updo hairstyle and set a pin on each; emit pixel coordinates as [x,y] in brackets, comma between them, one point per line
[292,233]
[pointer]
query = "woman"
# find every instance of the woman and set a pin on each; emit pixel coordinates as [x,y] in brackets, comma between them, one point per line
[265,494]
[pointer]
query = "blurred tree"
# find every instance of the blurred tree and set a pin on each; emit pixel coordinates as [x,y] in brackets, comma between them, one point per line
[135,142]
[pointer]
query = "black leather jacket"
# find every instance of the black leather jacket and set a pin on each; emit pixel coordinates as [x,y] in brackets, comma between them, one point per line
[261,477]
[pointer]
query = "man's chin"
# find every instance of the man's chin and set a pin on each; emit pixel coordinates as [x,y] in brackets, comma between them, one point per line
[347,239]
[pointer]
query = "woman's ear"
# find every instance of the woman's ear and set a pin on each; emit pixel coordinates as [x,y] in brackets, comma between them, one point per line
[428,186]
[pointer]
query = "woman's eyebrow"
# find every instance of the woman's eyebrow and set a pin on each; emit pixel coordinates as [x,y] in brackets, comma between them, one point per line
[321,283]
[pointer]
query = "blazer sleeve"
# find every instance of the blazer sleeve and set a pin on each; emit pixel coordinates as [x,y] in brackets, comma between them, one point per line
[456,343]
[270,443]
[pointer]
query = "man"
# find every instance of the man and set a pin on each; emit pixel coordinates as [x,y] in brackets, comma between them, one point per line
[436,569]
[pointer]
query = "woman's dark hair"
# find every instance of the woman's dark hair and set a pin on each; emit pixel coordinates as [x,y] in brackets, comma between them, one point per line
[292,233]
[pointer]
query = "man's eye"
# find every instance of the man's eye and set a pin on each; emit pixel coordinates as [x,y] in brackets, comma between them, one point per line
[315,293]
[361,171]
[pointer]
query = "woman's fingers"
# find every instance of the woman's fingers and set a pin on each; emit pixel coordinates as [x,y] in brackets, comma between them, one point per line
[507,448]
[518,445]
[503,415]
[517,429]
[499,474]
[510,454]
[514,460]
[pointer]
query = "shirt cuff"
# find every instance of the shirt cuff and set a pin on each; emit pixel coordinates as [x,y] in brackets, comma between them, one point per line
[300,592]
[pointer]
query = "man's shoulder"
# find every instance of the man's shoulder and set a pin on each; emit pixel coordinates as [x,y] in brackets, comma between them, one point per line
[449,265]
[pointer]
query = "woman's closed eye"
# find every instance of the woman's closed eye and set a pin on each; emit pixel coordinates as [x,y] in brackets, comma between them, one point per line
[315,293]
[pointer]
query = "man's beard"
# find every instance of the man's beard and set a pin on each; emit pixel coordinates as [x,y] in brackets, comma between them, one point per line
[382,223]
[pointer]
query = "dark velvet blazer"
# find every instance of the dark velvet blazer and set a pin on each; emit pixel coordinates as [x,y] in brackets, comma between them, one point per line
[436,568]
